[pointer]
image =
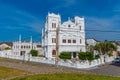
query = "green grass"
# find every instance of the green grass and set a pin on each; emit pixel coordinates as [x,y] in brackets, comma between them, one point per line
[67,77]
[10,72]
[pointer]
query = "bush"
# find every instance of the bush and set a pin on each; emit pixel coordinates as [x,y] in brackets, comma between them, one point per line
[97,56]
[34,52]
[90,56]
[110,54]
[7,48]
[86,56]
[41,56]
[82,56]
[65,55]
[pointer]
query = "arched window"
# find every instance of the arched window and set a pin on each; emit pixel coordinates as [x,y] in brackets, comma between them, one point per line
[53,25]
[53,53]
[21,46]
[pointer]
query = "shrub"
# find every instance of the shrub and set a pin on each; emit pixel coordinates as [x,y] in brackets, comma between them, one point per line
[82,56]
[7,48]
[41,56]
[34,52]
[86,56]
[97,56]
[65,55]
[90,56]
[110,54]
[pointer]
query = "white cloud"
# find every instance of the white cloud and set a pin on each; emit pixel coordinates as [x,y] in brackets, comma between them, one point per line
[104,24]
[13,18]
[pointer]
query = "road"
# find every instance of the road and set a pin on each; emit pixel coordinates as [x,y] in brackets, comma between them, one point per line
[108,69]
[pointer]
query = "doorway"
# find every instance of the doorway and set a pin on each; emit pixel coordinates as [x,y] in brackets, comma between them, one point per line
[74,54]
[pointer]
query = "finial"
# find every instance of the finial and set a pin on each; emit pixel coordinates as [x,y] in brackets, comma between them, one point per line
[69,18]
[20,38]
[31,39]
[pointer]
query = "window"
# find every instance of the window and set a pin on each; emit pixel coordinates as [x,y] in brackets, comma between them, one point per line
[38,46]
[69,41]
[80,27]
[69,25]
[28,46]
[53,53]
[53,25]
[64,41]
[21,46]
[80,41]
[74,41]
[53,40]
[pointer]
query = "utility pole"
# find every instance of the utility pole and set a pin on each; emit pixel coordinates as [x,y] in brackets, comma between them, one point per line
[56,59]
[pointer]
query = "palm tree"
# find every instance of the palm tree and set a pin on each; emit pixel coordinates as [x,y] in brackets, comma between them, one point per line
[91,48]
[105,47]
[98,47]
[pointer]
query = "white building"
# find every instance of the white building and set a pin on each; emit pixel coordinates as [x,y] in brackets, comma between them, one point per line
[92,42]
[4,45]
[23,48]
[71,35]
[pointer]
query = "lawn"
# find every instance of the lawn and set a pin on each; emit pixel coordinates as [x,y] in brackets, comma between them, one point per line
[6,73]
[67,77]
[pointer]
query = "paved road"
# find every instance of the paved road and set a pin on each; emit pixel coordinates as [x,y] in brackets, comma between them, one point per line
[108,69]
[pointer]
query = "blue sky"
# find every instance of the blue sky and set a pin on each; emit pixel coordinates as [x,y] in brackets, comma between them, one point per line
[27,17]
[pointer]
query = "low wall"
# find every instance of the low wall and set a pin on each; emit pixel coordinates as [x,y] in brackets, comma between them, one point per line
[67,63]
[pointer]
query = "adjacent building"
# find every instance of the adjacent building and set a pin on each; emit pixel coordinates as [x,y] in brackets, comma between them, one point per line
[23,48]
[4,45]
[90,43]
[71,35]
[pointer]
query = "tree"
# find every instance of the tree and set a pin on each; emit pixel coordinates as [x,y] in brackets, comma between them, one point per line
[34,52]
[105,48]
[91,48]
[7,48]
[97,56]
[65,55]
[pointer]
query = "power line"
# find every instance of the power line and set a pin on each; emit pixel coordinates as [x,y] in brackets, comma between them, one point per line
[115,31]
[104,30]
[26,38]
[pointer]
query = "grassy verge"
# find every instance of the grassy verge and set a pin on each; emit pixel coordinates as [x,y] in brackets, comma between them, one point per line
[9,72]
[67,77]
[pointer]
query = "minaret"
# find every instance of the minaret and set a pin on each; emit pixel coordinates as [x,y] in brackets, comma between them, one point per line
[31,42]
[20,38]
[31,39]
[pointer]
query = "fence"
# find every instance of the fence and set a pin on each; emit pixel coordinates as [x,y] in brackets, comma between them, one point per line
[66,63]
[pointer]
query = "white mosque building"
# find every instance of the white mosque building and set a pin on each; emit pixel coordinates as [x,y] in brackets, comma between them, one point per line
[71,35]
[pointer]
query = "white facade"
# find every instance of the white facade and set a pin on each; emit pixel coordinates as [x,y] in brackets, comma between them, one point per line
[91,41]
[71,35]
[4,45]
[23,48]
